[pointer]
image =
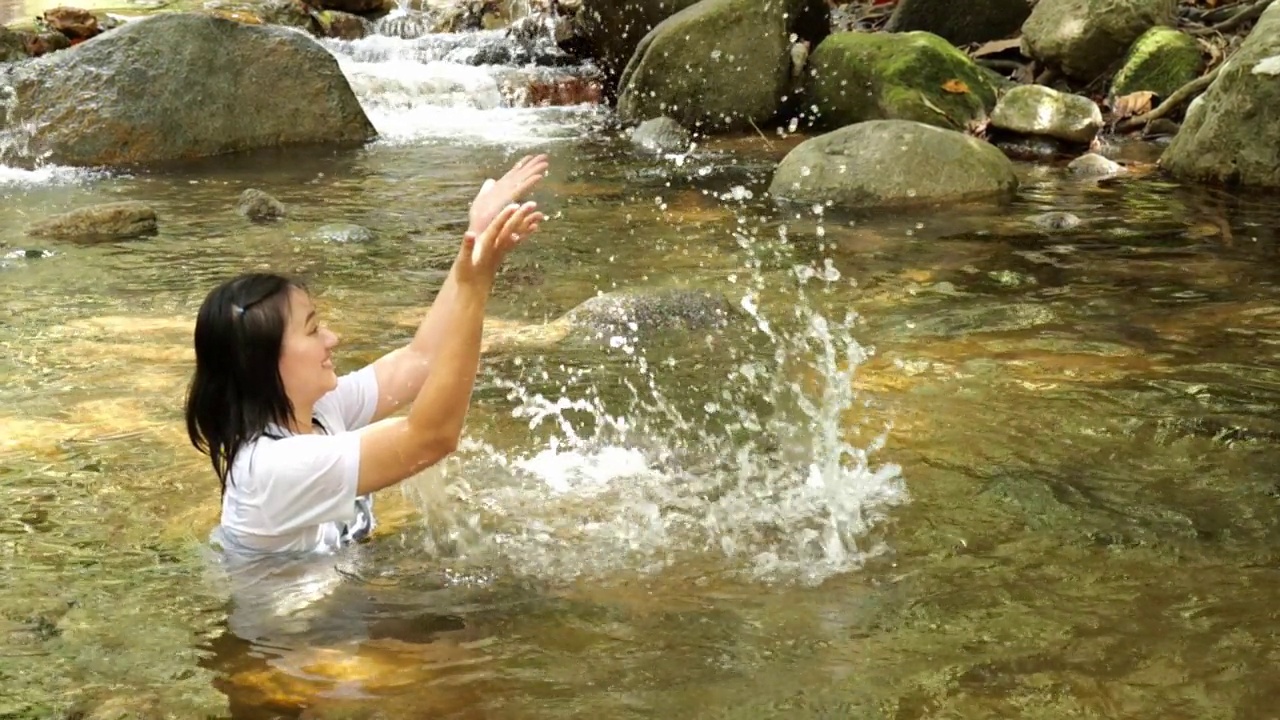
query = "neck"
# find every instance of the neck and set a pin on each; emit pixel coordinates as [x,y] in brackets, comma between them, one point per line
[302,420]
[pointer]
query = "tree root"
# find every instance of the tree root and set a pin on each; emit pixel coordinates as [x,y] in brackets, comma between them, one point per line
[1246,14]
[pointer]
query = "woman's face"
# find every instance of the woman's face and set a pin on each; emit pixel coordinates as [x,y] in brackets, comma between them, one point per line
[306,353]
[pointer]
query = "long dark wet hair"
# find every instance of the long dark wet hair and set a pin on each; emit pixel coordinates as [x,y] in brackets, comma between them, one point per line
[237,391]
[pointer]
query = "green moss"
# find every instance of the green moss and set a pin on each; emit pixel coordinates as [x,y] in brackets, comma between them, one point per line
[857,77]
[1161,61]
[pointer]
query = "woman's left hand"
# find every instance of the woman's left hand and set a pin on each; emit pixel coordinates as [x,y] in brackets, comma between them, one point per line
[495,195]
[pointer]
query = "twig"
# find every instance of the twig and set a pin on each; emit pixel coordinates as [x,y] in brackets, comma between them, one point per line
[761,132]
[1242,16]
[1179,96]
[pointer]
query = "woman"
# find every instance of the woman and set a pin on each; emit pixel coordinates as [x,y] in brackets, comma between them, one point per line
[298,450]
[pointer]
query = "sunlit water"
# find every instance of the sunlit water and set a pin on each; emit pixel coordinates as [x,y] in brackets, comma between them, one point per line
[950,465]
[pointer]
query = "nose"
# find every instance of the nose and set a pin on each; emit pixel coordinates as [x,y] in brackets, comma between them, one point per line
[331,338]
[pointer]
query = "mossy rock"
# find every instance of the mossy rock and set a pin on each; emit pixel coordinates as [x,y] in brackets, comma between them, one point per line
[1161,61]
[855,77]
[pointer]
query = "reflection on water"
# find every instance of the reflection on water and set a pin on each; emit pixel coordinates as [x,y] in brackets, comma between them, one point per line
[950,465]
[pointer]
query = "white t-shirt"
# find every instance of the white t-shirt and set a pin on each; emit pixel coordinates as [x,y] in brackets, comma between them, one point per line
[297,493]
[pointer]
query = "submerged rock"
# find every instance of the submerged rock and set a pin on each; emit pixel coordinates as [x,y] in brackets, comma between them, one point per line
[635,314]
[893,163]
[259,206]
[1084,38]
[960,23]
[720,64]
[1161,61]
[1039,110]
[167,87]
[106,221]
[1056,221]
[854,77]
[344,233]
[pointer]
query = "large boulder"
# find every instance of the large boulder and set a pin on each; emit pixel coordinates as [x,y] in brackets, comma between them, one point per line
[1231,134]
[1084,38]
[1161,61]
[720,64]
[961,23]
[608,31]
[886,163]
[180,86]
[854,77]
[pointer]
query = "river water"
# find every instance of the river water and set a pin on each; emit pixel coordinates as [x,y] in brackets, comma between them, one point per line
[946,465]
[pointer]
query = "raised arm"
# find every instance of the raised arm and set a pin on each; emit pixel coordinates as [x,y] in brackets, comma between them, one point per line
[395,448]
[402,371]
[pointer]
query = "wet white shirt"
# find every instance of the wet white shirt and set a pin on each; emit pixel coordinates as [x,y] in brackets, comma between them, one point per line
[297,493]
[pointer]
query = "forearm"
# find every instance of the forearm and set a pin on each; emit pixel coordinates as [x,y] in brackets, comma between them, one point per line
[440,408]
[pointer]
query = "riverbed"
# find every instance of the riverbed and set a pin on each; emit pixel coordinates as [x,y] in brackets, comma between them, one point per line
[946,464]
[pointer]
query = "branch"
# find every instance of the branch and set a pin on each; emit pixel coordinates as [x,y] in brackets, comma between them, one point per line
[1244,15]
[1179,96]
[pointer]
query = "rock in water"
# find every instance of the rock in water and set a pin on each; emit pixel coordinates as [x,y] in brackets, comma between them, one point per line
[180,86]
[1040,110]
[960,23]
[662,135]
[1231,134]
[893,163]
[259,206]
[107,221]
[1085,37]
[855,76]
[1161,61]
[640,313]
[720,64]
[1094,165]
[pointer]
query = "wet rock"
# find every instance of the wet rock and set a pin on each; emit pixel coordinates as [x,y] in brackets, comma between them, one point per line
[917,76]
[1161,61]
[76,24]
[1094,165]
[609,31]
[288,13]
[106,221]
[1032,148]
[343,25]
[166,88]
[344,233]
[720,64]
[259,206]
[893,163]
[661,134]
[36,44]
[1084,38]
[12,47]
[1039,110]
[1231,133]
[1055,221]
[960,23]
[358,7]
[635,314]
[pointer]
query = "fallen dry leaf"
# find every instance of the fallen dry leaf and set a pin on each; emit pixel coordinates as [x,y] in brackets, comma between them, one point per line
[955,86]
[1133,104]
[995,47]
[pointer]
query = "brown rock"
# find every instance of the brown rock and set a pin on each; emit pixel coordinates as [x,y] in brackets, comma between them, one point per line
[358,7]
[77,24]
[107,221]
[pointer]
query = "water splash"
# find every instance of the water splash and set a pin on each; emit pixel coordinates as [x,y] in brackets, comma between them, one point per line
[761,475]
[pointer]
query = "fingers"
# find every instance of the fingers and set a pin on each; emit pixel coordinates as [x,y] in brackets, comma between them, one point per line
[491,235]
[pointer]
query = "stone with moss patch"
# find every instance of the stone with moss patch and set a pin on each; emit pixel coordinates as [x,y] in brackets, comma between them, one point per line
[855,77]
[1161,61]
[1040,110]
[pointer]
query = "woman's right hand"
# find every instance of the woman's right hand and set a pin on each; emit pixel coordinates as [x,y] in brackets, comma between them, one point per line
[481,255]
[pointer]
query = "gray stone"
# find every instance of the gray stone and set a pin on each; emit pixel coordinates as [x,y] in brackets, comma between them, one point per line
[719,64]
[1039,110]
[1084,38]
[180,86]
[1231,134]
[960,23]
[893,163]
[635,314]
[661,134]
[1094,165]
[108,221]
[344,233]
